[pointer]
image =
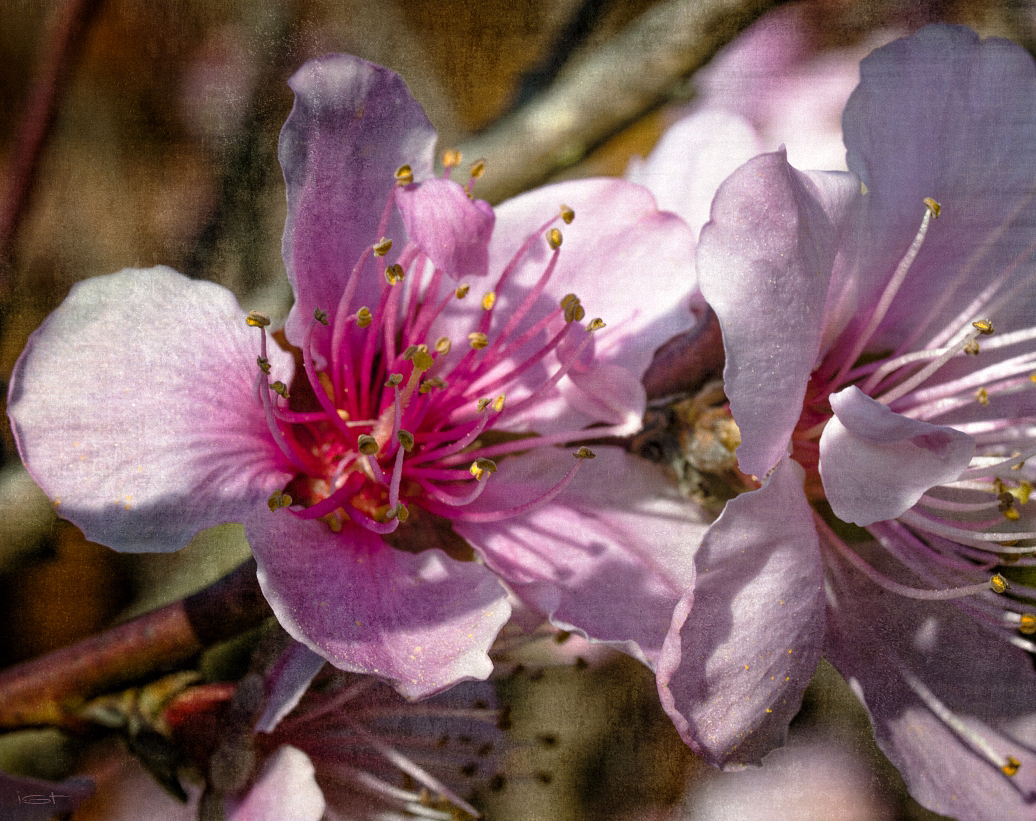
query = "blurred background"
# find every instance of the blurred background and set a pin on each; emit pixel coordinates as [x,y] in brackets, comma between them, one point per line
[136,133]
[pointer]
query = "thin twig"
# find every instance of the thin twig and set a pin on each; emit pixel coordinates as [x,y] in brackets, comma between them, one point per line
[48,690]
[599,92]
[63,42]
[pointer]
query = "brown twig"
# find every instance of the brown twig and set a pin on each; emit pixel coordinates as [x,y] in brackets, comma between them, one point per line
[47,691]
[599,92]
[64,40]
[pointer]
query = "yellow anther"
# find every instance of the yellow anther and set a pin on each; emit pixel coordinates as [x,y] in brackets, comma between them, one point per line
[393,380]
[999,487]
[1032,377]
[404,175]
[595,325]
[263,363]
[279,388]
[398,512]
[971,348]
[364,317]
[1027,624]
[998,584]
[1022,492]
[568,299]
[478,168]
[382,247]
[451,158]
[462,291]
[1012,514]
[431,384]
[478,340]
[574,311]
[489,300]
[423,360]
[257,319]
[554,239]
[933,207]
[320,316]
[394,274]
[328,386]
[408,354]
[443,345]
[406,439]
[279,500]
[366,444]
[482,404]
[584,453]
[982,395]
[498,403]
[482,466]
[983,326]
[567,214]
[1006,501]
[333,520]
[1011,767]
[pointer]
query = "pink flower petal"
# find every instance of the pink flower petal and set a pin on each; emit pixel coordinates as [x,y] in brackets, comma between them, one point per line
[764,265]
[422,621]
[450,227]
[285,789]
[876,464]
[744,645]
[134,407]
[618,541]
[353,124]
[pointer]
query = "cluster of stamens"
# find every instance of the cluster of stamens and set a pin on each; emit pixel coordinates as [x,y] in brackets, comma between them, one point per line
[389,416]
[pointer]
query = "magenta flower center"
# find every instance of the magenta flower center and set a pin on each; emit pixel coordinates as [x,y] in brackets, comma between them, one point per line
[386,414]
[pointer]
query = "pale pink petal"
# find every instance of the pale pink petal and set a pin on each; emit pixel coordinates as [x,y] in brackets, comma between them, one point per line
[135,409]
[609,556]
[286,790]
[876,464]
[449,226]
[353,125]
[422,621]
[764,264]
[913,662]
[694,156]
[744,645]
[287,682]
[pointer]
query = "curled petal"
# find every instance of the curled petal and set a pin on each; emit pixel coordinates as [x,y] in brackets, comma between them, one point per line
[134,408]
[450,227]
[765,264]
[876,464]
[618,540]
[744,644]
[423,621]
[353,124]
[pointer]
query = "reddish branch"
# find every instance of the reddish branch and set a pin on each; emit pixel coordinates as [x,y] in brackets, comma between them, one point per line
[49,690]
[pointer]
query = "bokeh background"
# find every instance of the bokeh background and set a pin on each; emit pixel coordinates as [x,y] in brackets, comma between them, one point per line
[160,148]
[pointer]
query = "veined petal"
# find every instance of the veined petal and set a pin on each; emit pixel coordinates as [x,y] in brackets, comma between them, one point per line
[135,410]
[905,659]
[353,124]
[876,464]
[285,789]
[421,621]
[619,540]
[943,114]
[449,226]
[744,645]
[764,265]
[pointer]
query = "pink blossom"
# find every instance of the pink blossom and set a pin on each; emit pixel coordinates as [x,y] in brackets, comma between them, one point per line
[893,464]
[442,380]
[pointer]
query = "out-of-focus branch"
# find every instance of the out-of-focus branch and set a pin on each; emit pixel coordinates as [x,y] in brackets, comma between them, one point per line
[49,690]
[63,42]
[601,91]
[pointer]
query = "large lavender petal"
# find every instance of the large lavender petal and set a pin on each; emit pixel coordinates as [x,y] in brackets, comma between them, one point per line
[610,556]
[353,124]
[908,659]
[764,264]
[744,645]
[134,407]
[945,115]
[876,464]
[423,621]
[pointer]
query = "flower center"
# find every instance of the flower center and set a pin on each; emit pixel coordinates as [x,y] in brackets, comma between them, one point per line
[386,412]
